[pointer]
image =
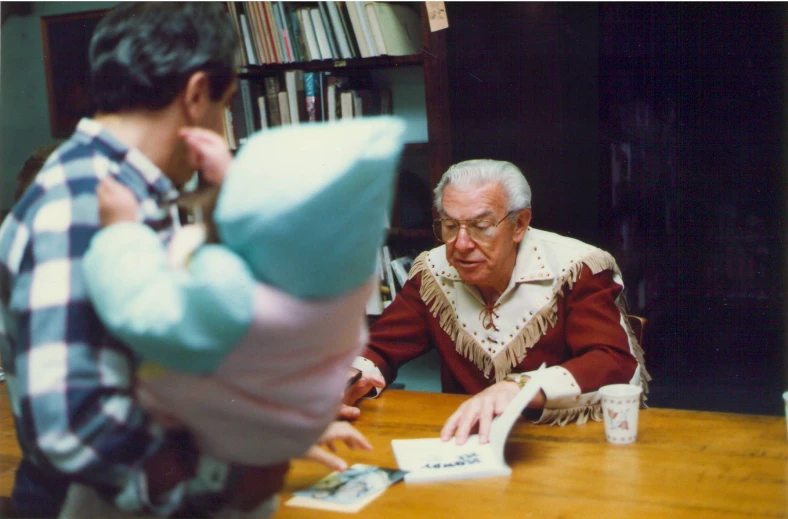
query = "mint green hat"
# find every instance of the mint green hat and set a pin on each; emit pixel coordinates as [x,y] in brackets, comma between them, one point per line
[305,206]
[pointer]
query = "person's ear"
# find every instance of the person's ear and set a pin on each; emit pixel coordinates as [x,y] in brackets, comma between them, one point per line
[521,224]
[196,98]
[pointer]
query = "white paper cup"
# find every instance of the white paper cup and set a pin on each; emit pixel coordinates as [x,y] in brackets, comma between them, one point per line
[620,405]
[785,400]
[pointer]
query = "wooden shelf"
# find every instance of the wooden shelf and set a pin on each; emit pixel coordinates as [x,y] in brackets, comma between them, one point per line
[252,71]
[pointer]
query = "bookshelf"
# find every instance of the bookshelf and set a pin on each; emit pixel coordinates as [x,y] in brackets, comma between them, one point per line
[417,83]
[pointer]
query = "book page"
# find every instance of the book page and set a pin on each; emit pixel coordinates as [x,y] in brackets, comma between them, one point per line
[347,491]
[431,459]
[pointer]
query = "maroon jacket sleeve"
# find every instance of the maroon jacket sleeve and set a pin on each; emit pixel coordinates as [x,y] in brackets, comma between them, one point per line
[400,335]
[597,341]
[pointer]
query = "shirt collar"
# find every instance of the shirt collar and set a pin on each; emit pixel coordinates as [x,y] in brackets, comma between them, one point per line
[157,183]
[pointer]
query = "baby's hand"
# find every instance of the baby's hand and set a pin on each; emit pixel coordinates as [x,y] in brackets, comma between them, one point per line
[208,152]
[116,202]
[337,431]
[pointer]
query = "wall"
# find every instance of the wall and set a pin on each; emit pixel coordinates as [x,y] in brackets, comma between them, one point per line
[523,83]
[24,113]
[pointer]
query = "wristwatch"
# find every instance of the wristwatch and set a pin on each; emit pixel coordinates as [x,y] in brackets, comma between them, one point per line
[518,378]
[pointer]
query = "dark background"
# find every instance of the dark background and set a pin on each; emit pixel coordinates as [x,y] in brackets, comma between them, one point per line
[696,92]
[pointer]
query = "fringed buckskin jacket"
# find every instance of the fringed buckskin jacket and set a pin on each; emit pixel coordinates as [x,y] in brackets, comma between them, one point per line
[563,307]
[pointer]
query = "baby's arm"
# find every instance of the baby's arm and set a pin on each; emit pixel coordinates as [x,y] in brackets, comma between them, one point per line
[185,319]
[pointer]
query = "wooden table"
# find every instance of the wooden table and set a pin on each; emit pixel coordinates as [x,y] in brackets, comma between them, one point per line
[686,464]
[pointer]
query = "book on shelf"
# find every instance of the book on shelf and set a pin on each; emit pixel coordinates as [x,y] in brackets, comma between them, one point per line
[284,32]
[245,87]
[311,97]
[263,112]
[389,272]
[326,19]
[320,33]
[358,30]
[294,84]
[309,33]
[284,108]
[246,37]
[431,459]
[346,104]
[272,98]
[366,32]
[297,34]
[399,25]
[340,31]
[374,27]
[401,268]
[229,134]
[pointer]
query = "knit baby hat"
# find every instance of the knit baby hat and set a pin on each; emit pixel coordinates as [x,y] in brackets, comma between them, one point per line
[305,206]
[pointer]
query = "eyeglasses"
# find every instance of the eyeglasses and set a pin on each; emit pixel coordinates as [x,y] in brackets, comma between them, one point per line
[481,230]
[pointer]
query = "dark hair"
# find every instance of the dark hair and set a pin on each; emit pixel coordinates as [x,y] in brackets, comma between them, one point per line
[142,54]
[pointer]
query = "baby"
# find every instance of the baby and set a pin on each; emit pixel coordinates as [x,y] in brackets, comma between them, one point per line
[252,338]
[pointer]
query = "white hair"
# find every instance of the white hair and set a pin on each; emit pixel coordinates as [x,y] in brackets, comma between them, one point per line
[482,171]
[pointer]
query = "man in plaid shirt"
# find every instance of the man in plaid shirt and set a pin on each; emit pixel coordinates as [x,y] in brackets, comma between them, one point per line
[156,68]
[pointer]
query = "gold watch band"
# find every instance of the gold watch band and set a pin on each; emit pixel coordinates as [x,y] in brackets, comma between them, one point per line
[518,378]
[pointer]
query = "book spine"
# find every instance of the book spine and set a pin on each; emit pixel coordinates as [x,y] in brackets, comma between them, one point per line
[331,102]
[284,108]
[362,17]
[330,34]
[248,106]
[248,47]
[263,112]
[284,36]
[234,17]
[272,98]
[292,95]
[310,96]
[338,27]
[320,32]
[358,32]
[261,32]
[273,40]
[374,26]
[346,104]
[309,32]
[297,36]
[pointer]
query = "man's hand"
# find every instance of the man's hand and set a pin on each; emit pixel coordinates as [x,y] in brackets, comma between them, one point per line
[208,152]
[337,432]
[356,391]
[481,409]
[116,202]
[257,484]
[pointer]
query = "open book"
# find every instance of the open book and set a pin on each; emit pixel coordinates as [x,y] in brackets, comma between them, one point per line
[430,459]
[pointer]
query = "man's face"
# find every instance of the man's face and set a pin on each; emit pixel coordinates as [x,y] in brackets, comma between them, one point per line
[488,262]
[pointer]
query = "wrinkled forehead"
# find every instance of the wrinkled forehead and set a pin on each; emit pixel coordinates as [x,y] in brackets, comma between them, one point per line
[469,202]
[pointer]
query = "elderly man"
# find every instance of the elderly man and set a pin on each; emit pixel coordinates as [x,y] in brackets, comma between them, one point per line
[498,300]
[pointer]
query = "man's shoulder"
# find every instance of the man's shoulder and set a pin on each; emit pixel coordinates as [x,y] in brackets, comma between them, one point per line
[560,242]
[570,254]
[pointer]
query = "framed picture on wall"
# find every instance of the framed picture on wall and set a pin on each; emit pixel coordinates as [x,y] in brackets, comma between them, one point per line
[65,44]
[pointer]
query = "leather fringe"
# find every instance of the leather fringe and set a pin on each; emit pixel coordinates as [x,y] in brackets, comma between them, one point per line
[514,352]
[562,417]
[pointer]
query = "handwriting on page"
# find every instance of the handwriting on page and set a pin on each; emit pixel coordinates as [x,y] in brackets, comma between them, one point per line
[462,460]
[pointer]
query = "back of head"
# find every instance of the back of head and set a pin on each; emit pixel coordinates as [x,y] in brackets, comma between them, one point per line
[306,206]
[482,171]
[142,54]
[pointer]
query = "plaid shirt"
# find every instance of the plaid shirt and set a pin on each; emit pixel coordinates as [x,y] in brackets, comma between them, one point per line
[70,383]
